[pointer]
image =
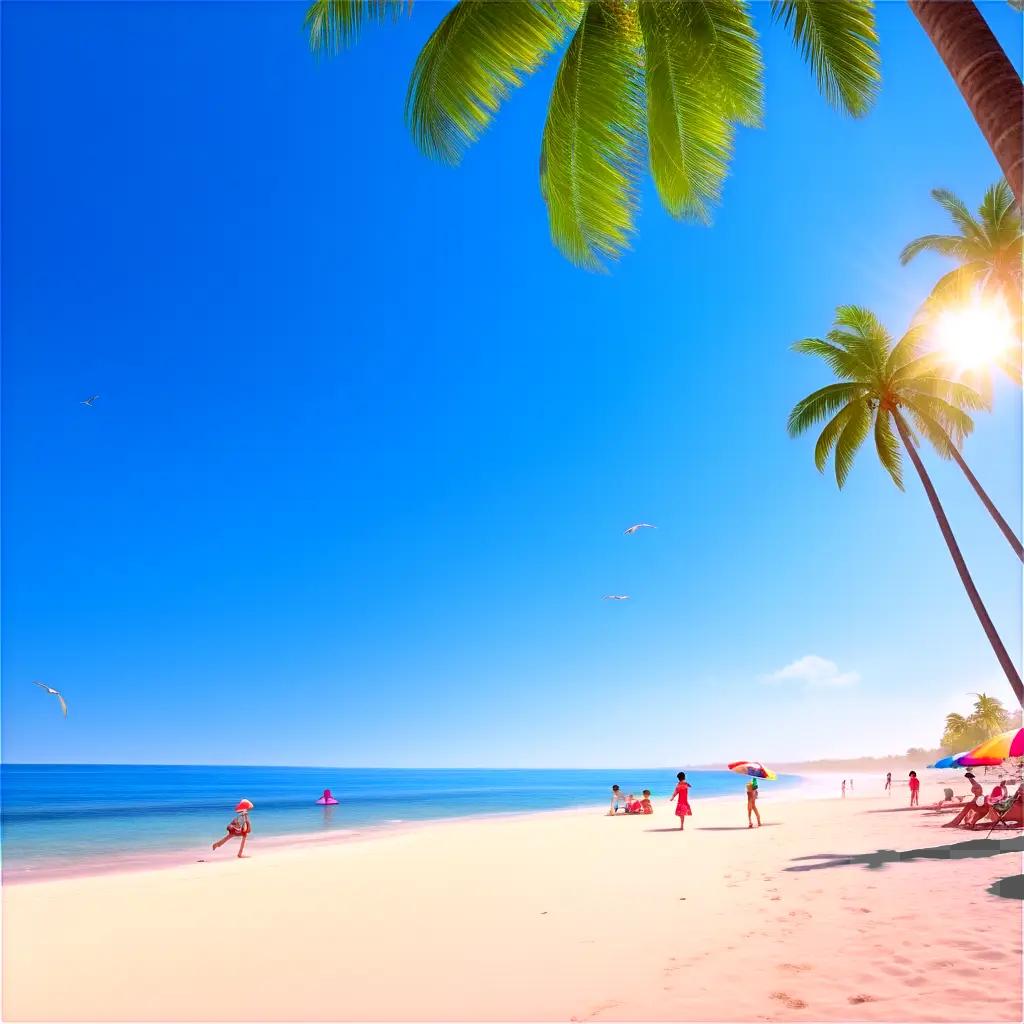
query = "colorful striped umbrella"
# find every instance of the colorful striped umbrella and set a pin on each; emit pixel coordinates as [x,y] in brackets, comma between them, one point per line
[953,761]
[995,750]
[754,768]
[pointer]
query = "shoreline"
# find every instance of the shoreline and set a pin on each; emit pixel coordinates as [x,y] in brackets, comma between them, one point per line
[812,785]
[804,787]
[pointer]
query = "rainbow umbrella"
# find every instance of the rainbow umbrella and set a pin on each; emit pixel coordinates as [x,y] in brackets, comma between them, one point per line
[754,768]
[995,750]
[953,761]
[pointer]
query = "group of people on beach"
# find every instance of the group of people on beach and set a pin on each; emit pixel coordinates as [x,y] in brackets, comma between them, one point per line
[681,795]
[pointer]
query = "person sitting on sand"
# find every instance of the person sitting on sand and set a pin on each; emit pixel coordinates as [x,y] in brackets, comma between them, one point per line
[752,794]
[645,804]
[974,807]
[613,807]
[915,789]
[239,825]
[681,795]
[632,804]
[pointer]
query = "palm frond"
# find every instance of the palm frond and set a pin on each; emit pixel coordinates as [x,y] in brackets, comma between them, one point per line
[996,204]
[839,41]
[481,50]
[335,24]
[819,404]
[592,138]
[905,350]
[829,435]
[851,438]
[957,209]
[888,447]
[842,362]
[952,246]
[934,431]
[862,334]
[952,420]
[702,69]
[959,393]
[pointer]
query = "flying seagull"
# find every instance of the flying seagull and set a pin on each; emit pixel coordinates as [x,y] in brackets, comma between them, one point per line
[615,597]
[88,401]
[55,693]
[638,526]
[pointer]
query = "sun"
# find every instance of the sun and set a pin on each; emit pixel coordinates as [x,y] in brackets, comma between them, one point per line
[975,336]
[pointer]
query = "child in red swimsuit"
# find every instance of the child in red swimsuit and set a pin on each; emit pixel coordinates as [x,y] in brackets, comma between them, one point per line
[681,795]
[645,804]
[238,826]
[915,788]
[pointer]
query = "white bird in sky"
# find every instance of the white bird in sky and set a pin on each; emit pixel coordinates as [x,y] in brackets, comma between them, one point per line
[55,693]
[638,526]
[88,401]
[615,597]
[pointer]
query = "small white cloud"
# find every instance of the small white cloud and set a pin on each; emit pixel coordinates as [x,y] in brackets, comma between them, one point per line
[813,671]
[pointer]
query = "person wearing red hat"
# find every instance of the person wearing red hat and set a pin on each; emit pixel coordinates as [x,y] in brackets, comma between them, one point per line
[239,825]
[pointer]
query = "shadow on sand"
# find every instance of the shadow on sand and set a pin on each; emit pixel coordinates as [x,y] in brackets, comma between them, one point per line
[951,851]
[1011,888]
[735,828]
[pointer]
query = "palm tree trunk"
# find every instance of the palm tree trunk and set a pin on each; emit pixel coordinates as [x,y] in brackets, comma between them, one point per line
[958,560]
[987,502]
[983,74]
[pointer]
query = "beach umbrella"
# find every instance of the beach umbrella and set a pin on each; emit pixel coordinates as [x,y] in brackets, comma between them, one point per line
[947,762]
[995,750]
[754,768]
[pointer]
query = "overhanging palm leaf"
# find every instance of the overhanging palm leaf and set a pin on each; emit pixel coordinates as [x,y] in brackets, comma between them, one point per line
[590,154]
[702,72]
[335,24]
[839,41]
[681,75]
[480,51]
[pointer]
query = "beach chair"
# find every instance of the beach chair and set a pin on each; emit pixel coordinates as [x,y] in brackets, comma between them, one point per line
[1012,817]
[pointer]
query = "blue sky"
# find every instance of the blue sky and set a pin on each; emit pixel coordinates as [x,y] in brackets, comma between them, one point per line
[366,444]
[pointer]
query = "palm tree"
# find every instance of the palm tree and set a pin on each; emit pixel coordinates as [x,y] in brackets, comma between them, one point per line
[988,250]
[667,78]
[984,75]
[956,729]
[989,715]
[880,386]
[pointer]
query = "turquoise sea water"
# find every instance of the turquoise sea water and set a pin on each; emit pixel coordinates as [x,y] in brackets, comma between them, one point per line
[67,816]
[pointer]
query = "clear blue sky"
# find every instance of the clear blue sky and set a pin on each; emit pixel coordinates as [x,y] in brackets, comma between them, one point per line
[366,444]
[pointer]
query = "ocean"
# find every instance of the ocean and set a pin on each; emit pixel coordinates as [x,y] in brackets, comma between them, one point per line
[63,817]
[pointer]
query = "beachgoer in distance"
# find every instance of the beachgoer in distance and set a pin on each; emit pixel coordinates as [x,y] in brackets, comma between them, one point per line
[239,825]
[915,789]
[613,807]
[851,785]
[645,804]
[888,783]
[844,789]
[752,795]
[681,795]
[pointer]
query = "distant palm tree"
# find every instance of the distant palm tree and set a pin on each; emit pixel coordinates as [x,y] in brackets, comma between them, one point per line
[989,715]
[881,385]
[957,728]
[667,78]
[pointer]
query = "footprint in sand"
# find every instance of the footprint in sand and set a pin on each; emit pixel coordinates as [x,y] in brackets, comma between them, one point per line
[800,915]
[796,967]
[791,1001]
[860,999]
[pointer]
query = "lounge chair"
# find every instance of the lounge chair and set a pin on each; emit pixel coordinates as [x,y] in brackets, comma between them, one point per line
[1012,817]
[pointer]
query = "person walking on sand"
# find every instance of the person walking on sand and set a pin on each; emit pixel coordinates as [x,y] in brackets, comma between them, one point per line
[752,794]
[239,825]
[844,789]
[915,789]
[681,796]
[888,783]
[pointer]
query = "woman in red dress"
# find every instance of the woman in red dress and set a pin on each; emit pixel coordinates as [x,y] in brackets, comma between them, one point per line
[680,795]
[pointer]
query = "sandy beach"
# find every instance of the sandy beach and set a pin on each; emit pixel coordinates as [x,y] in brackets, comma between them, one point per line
[833,911]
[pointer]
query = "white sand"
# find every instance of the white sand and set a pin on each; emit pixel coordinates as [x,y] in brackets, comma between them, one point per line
[572,916]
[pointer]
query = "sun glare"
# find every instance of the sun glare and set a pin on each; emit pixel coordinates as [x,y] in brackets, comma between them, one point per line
[975,336]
